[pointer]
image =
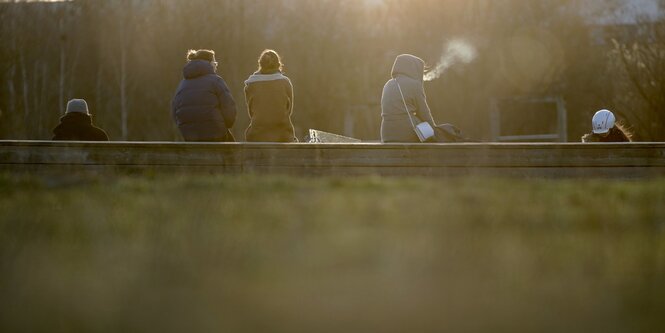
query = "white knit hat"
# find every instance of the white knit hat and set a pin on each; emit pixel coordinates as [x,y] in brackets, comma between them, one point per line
[77,105]
[603,121]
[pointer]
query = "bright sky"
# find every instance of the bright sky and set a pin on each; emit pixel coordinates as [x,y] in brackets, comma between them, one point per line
[626,13]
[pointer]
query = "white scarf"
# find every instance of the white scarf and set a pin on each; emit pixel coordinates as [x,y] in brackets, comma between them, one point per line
[265,77]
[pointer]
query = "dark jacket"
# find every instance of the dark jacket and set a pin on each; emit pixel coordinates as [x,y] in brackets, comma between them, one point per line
[78,126]
[203,107]
[395,123]
[269,100]
[615,135]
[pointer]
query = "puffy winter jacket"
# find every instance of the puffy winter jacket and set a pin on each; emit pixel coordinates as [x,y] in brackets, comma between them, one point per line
[203,107]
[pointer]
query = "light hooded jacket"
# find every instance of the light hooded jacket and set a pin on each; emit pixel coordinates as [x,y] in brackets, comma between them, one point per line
[203,107]
[269,100]
[395,124]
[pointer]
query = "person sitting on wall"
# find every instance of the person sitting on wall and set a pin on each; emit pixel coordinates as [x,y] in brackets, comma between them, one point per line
[269,97]
[607,129]
[403,100]
[404,107]
[76,124]
[203,107]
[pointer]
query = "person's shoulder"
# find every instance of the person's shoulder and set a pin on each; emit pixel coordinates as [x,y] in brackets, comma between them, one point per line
[286,81]
[216,77]
[213,77]
[217,81]
[99,134]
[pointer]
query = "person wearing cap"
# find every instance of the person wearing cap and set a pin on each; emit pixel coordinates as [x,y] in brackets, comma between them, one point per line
[76,124]
[203,107]
[607,129]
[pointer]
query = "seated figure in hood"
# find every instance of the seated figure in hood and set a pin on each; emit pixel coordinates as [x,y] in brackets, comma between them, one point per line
[203,107]
[396,126]
[269,97]
[76,124]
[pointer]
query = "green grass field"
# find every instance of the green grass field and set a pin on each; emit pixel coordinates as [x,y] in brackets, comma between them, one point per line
[369,254]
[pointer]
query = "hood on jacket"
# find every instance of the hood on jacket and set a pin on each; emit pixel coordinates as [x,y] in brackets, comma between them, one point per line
[409,65]
[258,77]
[196,68]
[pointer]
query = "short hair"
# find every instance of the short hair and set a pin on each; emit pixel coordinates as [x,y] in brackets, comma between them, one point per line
[270,61]
[207,55]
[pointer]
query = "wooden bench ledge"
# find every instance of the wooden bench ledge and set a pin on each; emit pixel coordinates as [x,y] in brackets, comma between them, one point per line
[625,160]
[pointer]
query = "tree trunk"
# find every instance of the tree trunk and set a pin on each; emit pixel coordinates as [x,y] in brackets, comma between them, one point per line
[98,90]
[12,97]
[36,93]
[26,106]
[71,73]
[61,83]
[123,91]
[44,94]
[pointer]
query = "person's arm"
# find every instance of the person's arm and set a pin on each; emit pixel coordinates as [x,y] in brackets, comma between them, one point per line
[422,108]
[174,102]
[57,134]
[173,109]
[248,102]
[289,91]
[227,104]
[101,135]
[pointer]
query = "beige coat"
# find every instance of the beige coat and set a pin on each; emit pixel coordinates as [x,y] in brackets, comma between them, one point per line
[269,100]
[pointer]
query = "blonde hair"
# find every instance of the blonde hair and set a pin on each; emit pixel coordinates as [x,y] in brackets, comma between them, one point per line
[270,61]
[621,126]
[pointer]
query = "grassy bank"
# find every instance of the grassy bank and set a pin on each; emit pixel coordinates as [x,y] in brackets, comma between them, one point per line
[258,254]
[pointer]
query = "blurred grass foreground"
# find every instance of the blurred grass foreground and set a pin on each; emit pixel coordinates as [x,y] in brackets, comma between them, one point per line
[367,254]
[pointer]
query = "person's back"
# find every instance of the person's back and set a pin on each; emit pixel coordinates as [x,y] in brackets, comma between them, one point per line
[269,97]
[203,107]
[76,124]
[395,124]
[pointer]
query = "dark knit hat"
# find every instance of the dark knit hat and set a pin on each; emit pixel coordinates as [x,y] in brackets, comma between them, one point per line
[77,105]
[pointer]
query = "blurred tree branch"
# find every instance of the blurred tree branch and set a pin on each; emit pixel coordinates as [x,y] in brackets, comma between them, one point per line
[126,57]
[639,78]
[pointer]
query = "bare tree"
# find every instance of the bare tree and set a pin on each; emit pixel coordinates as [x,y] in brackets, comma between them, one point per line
[638,71]
[128,58]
